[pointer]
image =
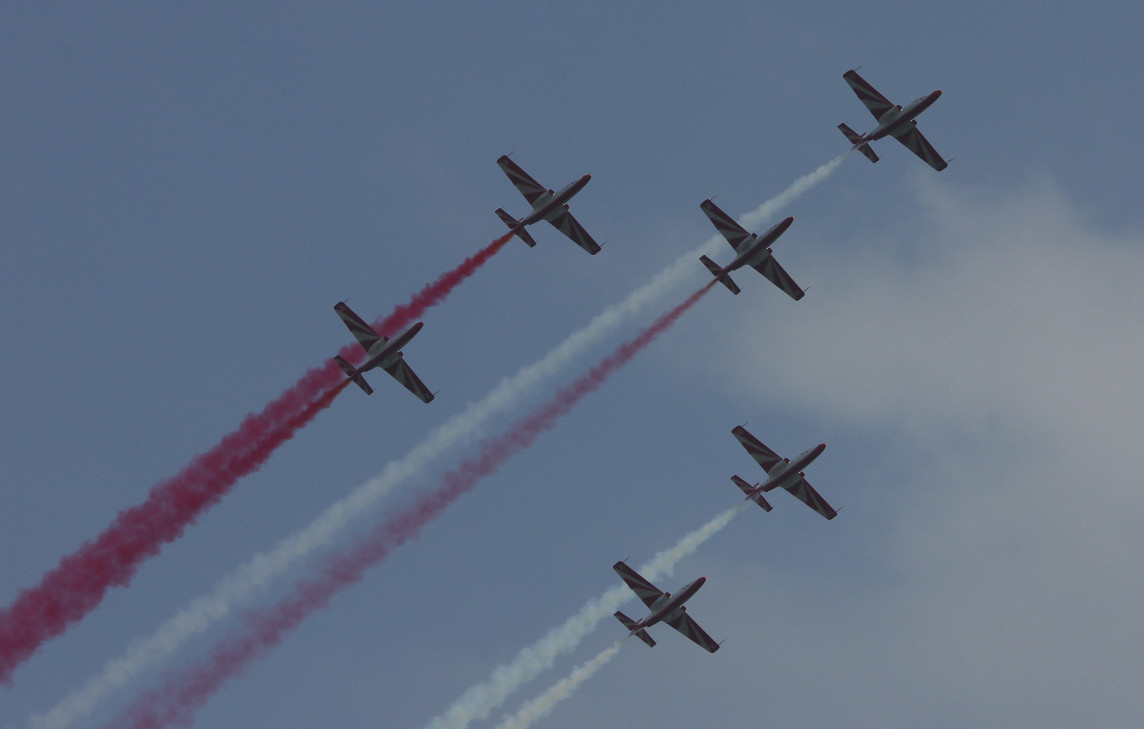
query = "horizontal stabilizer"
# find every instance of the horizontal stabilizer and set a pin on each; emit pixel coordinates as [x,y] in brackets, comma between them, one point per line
[511,222]
[865,149]
[634,628]
[856,140]
[749,490]
[718,273]
[354,375]
[851,135]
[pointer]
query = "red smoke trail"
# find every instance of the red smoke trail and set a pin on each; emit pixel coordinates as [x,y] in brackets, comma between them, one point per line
[77,585]
[182,694]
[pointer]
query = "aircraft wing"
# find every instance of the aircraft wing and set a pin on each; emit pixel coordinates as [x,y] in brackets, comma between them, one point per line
[365,334]
[805,493]
[764,456]
[571,227]
[686,625]
[919,145]
[868,95]
[725,224]
[643,589]
[779,277]
[404,374]
[530,188]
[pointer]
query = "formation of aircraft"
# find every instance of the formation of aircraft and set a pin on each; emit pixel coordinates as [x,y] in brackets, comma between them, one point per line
[781,472]
[664,608]
[546,205]
[750,250]
[380,352]
[894,120]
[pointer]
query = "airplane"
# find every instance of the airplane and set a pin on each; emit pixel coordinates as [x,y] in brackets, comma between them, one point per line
[381,352]
[665,608]
[750,250]
[781,472]
[894,120]
[546,205]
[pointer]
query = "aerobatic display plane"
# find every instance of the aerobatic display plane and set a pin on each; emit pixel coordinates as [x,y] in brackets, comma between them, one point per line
[781,472]
[894,120]
[664,607]
[546,205]
[380,352]
[750,250]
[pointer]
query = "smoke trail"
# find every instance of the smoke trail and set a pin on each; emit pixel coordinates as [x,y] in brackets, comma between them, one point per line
[181,695]
[480,700]
[77,585]
[258,573]
[542,705]
[792,193]
[436,292]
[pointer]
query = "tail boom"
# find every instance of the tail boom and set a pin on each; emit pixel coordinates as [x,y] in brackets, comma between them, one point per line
[634,628]
[720,275]
[859,142]
[513,224]
[354,375]
[752,493]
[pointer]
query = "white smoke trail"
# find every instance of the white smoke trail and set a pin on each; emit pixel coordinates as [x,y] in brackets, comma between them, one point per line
[542,705]
[792,193]
[257,574]
[480,700]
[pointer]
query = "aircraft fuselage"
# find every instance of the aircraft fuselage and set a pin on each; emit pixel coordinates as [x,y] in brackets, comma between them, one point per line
[898,118]
[384,354]
[666,606]
[790,470]
[548,206]
[757,248]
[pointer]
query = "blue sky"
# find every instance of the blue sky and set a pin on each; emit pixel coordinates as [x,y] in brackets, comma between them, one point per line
[186,193]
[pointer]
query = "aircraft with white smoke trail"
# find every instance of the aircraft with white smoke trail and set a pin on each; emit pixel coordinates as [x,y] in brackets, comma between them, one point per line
[380,352]
[894,120]
[750,250]
[664,607]
[546,205]
[781,472]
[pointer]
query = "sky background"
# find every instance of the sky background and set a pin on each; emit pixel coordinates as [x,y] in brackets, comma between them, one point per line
[186,192]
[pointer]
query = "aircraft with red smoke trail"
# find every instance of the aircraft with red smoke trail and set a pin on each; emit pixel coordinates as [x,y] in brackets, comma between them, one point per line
[664,607]
[546,205]
[750,250]
[894,120]
[380,352]
[781,472]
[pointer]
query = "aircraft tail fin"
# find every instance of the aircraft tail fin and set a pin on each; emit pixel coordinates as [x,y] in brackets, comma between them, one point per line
[354,375]
[717,272]
[747,489]
[856,140]
[511,223]
[634,628]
